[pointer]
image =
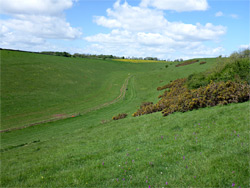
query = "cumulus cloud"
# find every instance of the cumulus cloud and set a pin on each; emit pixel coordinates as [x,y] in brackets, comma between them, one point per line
[45,7]
[34,21]
[41,26]
[177,5]
[141,44]
[132,18]
[144,32]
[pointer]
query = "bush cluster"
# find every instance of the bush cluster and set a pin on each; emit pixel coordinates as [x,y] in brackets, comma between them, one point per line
[119,116]
[237,70]
[181,99]
[244,53]
[220,93]
[187,62]
[228,82]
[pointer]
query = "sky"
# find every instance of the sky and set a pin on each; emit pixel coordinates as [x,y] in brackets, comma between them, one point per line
[167,29]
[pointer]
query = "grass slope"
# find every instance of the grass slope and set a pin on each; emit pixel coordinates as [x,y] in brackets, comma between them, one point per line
[37,87]
[201,148]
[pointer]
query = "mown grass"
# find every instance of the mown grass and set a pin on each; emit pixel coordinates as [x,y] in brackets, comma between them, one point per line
[202,148]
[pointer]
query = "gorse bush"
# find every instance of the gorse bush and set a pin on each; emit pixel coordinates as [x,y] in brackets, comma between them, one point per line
[119,116]
[203,62]
[181,99]
[145,108]
[224,84]
[178,82]
[145,104]
[213,94]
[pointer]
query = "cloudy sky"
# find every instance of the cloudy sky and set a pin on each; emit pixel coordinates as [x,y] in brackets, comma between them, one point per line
[166,29]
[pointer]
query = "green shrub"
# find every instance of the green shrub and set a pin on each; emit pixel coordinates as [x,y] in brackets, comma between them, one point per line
[236,70]
[119,116]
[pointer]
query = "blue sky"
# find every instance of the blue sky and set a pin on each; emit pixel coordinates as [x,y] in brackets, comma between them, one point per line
[167,29]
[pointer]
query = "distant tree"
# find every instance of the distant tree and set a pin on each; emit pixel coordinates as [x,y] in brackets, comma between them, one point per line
[66,54]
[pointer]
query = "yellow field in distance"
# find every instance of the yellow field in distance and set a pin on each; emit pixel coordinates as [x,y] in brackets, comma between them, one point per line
[139,61]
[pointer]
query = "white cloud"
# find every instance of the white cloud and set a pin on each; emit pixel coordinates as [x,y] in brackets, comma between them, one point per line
[140,44]
[141,31]
[218,14]
[140,19]
[177,5]
[132,18]
[45,7]
[41,26]
[32,22]
[244,46]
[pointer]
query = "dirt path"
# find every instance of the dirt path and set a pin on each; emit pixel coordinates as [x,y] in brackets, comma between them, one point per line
[65,116]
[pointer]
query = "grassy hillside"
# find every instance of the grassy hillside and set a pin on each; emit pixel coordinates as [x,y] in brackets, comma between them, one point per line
[202,148]
[37,87]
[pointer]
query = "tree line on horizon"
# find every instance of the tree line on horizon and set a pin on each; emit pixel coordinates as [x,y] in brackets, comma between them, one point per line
[101,56]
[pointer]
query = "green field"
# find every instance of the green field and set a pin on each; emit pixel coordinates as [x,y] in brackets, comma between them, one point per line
[202,148]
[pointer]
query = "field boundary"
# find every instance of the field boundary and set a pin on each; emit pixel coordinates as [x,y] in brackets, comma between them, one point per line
[67,116]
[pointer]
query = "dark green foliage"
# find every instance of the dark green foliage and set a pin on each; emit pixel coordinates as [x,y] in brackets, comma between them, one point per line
[187,62]
[119,116]
[238,71]
[64,54]
[151,58]
[166,66]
